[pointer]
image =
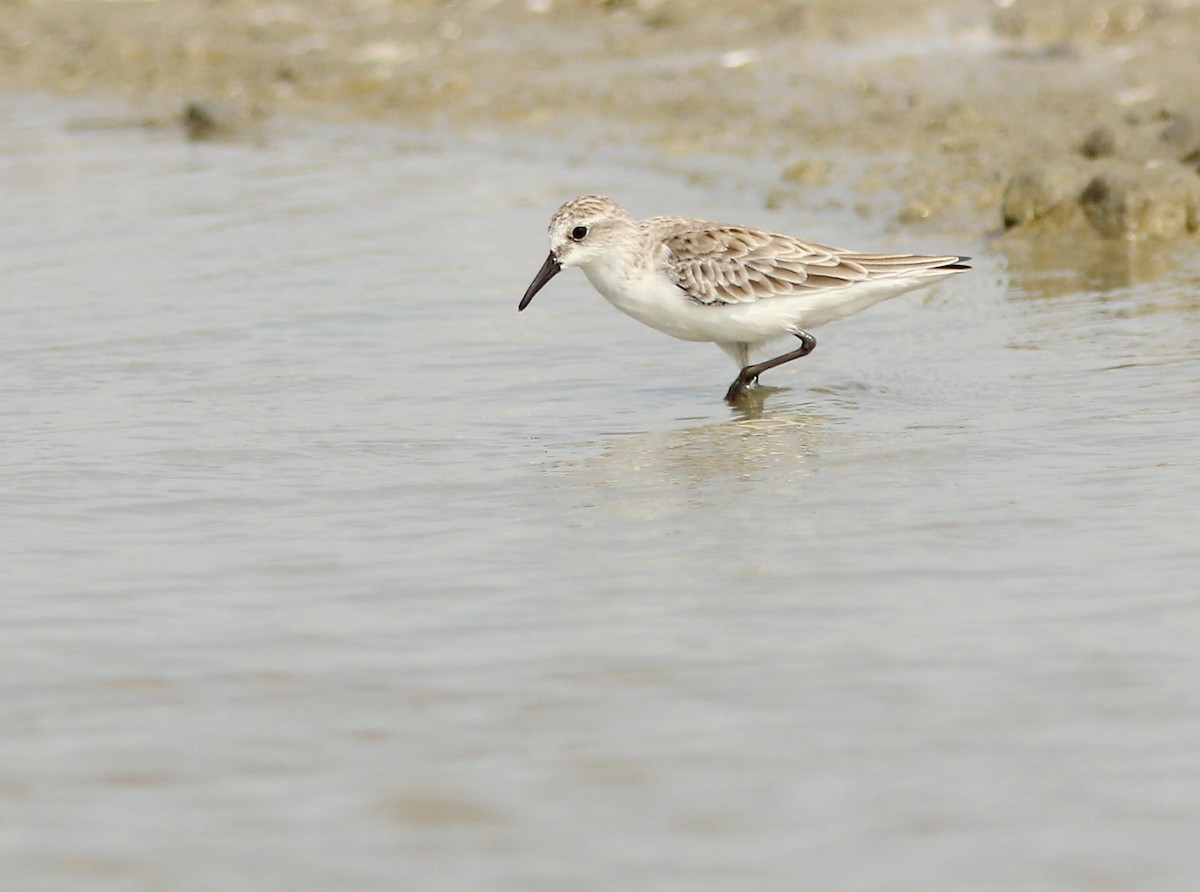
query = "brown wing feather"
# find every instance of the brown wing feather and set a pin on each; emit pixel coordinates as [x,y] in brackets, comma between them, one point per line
[718,264]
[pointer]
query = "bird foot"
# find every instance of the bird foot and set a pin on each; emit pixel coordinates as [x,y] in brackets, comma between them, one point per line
[740,386]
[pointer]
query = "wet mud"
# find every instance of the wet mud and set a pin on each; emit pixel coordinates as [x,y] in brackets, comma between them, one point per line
[1083,118]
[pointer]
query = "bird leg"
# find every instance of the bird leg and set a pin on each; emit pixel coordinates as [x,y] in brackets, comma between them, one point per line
[750,373]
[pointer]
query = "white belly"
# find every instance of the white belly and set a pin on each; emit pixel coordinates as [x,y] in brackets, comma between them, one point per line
[655,301]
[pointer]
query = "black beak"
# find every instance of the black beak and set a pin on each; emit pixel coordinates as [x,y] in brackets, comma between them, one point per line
[549,270]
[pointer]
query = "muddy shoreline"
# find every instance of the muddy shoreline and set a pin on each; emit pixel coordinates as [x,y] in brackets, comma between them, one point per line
[976,114]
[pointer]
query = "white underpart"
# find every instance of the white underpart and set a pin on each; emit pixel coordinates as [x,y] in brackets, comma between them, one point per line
[647,295]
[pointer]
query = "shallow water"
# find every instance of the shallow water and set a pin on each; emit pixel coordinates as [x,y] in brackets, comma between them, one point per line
[327,569]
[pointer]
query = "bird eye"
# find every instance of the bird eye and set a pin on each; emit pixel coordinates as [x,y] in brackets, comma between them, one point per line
[579,233]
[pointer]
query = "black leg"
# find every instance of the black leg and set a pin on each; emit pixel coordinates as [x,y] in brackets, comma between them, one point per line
[750,373]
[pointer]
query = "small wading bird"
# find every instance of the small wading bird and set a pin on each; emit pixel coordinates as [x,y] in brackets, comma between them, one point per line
[735,286]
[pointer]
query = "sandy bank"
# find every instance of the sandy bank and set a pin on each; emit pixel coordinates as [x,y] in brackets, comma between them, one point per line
[949,101]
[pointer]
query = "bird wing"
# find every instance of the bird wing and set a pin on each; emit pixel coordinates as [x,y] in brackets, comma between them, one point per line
[718,264]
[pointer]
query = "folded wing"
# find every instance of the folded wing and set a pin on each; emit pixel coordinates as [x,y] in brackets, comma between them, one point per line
[718,264]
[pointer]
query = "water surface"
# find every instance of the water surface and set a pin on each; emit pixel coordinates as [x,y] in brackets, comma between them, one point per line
[326,569]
